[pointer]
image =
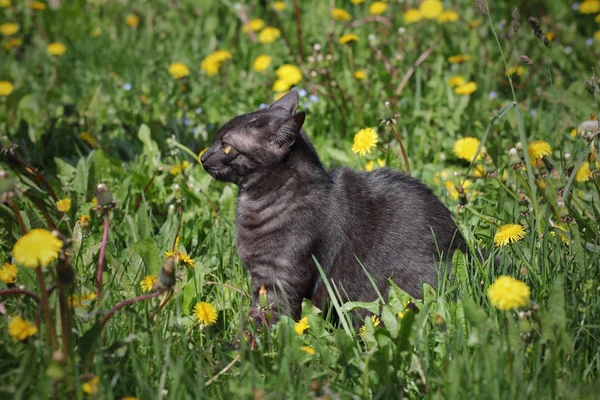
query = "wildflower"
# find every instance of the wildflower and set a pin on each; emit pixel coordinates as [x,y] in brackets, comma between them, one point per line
[212,62]
[268,35]
[584,172]
[279,5]
[348,38]
[375,320]
[261,63]
[377,8]
[589,7]
[21,329]
[254,25]
[431,9]
[289,73]
[456,80]
[412,15]
[186,260]
[559,228]
[518,70]
[360,74]
[453,191]
[91,386]
[88,138]
[301,326]
[64,205]
[13,43]
[400,314]
[459,58]
[94,201]
[6,88]
[309,350]
[132,20]
[509,233]
[448,16]
[205,313]
[364,140]
[10,28]
[96,32]
[148,283]
[466,148]
[178,70]
[56,49]
[538,149]
[507,293]
[8,273]
[339,14]
[4,3]
[369,166]
[466,89]
[38,247]
[37,5]
[83,221]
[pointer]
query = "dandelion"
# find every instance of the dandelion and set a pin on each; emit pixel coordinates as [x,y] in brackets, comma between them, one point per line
[507,293]
[254,25]
[148,283]
[205,313]
[6,88]
[459,58]
[64,205]
[466,89]
[364,140]
[279,5]
[56,49]
[83,221]
[309,350]
[21,329]
[38,247]
[132,20]
[339,14]
[369,166]
[517,70]
[378,8]
[509,233]
[13,43]
[91,386]
[8,273]
[301,326]
[290,74]
[448,16]
[88,138]
[456,80]
[97,31]
[94,201]
[589,7]
[431,9]
[584,172]
[559,228]
[4,3]
[212,62]
[268,35]
[539,149]
[186,260]
[261,63]
[37,5]
[466,148]
[280,85]
[412,15]
[10,28]
[348,38]
[178,70]
[360,75]
[453,192]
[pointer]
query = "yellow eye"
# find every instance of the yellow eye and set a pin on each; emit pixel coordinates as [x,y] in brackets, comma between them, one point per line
[227,149]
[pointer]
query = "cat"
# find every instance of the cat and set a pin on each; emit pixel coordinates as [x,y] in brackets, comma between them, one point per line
[290,209]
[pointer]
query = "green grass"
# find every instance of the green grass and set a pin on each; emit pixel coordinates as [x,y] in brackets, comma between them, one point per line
[454,344]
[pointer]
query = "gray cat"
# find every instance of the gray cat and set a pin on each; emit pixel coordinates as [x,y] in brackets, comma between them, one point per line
[290,209]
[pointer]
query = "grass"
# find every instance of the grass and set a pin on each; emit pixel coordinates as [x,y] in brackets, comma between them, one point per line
[114,84]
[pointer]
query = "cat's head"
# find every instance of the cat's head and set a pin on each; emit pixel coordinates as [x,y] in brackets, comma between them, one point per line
[254,142]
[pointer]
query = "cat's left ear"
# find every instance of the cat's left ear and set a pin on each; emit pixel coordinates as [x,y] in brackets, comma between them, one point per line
[288,102]
[285,134]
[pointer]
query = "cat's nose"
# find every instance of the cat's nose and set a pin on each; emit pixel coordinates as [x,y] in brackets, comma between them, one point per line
[205,156]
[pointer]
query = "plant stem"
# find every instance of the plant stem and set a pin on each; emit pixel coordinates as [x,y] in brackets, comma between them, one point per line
[402,149]
[13,206]
[299,30]
[39,175]
[139,199]
[45,307]
[128,302]
[15,291]
[39,205]
[101,256]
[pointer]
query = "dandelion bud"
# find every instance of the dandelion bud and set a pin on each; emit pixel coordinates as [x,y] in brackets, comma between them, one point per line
[311,59]
[262,297]
[313,73]
[387,104]
[589,129]
[439,320]
[567,156]
[519,146]
[512,152]
[103,195]
[522,315]
[317,47]
[401,30]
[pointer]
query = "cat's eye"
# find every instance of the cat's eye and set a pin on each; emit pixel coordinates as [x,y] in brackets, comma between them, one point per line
[227,149]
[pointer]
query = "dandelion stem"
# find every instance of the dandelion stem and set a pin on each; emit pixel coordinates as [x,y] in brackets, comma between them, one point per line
[402,149]
[128,302]
[162,305]
[15,291]
[139,199]
[13,206]
[39,205]
[299,30]
[101,256]
[45,307]
[180,208]
[412,69]
[39,175]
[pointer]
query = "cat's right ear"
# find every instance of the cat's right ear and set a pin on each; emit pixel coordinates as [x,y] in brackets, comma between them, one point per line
[288,102]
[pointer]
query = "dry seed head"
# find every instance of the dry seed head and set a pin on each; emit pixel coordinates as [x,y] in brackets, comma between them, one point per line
[527,60]
[480,7]
[534,24]
[515,20]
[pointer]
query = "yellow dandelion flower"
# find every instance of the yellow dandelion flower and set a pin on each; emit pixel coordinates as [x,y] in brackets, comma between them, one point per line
[363,330]
[339,14]
[289,73]
[453,192]
[169,254]
[573,132]
[186,260]
[466,89]
[97,31]
[584,172]
[360,74]
[88,138]
[205,313]
[348,38]
[456,80]
[364,141]
[281,85]
[37,5]
[212,62]
[132,20]
[261,63]
[539,149]
[21,329]
[279,5]
[309,350]
[301,326]
[431,9]
[459,58]
[369,166]
[589,7]
[507,293]
[56,49]
[8,273]
[509,233]
[268,35]
[400,314]
[412,15]
[466,148]
[94,201]
[178,70]
[10,28]
[516,70]
[4,3]
[91,386]
[448,16]
[6,88]
[83,221]
[254,25]
[381,162]
[375,320]
[148,283]
[64,205]
[377,8]
[38,247]
[559,228]
[13,43]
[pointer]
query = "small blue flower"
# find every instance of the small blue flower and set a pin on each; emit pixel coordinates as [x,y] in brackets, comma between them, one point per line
[263,106]
[532,112]
[210,126]
[313,98]
[575,6]
[186,121]
[568,50]
[306,104]
[493,95]
[589,42]
[301,92]
[127,87]
[198,110]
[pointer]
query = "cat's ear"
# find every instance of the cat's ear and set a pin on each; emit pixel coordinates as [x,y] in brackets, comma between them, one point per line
[285,133]
[288,102]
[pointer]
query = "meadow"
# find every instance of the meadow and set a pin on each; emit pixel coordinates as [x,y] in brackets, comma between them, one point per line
[119,276]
